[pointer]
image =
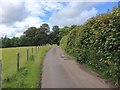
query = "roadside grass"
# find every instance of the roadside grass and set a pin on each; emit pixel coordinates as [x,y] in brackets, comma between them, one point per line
[29,74]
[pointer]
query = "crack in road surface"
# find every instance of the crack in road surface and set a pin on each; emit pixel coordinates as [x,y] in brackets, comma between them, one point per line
[58,72]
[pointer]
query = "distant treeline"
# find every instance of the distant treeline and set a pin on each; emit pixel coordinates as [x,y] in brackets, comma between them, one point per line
[36,36]
[33,36]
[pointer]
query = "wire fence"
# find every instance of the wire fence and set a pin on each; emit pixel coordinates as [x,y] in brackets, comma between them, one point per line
[15,58]
[30,53]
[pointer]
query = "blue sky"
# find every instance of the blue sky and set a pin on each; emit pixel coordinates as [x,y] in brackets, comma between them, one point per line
[102,7]
[18,15]
[108,5]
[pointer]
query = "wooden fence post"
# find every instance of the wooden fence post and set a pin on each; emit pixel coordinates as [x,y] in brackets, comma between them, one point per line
[32,51]
[27,55]
[0,66]
[38,48]
[0,73]
[18,58]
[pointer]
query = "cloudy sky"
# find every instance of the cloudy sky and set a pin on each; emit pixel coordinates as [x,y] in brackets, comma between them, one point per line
[17,15]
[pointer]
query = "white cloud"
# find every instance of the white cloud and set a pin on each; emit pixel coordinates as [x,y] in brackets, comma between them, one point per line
[34,7]
[12,12]
[4,30]
[73,13]
[29,21]
[18,34]
[83,0]
[38,8]
[17,15]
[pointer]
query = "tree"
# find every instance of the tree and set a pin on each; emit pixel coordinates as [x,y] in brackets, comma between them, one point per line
[30,34]
[55,28]
[23,40]
[64,31]
[15,41]
[41,35]
[54,35]
[119,4]
[45,27]
[73,26]
[6,42]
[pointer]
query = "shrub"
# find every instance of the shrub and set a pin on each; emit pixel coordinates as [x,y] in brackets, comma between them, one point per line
[96,43]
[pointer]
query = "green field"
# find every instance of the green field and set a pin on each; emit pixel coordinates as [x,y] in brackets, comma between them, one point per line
[28,75]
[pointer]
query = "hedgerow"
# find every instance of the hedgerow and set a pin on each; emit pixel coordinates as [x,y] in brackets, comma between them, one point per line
[96,43]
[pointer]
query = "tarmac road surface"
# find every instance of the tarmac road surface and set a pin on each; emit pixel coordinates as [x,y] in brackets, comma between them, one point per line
[59,71]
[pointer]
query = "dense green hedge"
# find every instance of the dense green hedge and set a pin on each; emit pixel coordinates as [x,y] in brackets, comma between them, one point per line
[96,43]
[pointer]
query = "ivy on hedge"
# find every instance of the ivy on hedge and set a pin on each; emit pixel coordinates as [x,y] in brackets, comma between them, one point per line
[96,43]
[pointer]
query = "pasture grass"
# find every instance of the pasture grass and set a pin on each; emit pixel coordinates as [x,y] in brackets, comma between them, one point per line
[29,74]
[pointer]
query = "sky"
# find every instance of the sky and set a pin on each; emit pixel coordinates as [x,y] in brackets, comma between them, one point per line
[18,15]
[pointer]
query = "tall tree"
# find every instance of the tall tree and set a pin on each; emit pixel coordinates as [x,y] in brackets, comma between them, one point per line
[41,36]
[6,42]
[15,41]
[45,27]
[30,35]
[54,35]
